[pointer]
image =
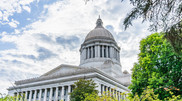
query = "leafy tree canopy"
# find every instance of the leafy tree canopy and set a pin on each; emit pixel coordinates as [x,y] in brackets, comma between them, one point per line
[162,14]
[82,88]
[159,68]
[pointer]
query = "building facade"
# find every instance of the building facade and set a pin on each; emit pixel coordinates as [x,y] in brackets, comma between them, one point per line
[99,61]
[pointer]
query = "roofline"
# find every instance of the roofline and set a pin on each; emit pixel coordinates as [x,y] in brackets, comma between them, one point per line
[59,80]
[60,66]
[53,77]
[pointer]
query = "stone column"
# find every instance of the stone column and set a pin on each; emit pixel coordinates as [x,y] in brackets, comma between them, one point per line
[106,51]
[91,52]
[26,92]
[62,93]
[56,96]
[116,94]
[110,91]
[98,50]
[30,96]
[111,52]
[88,52]
[123,97]
[17,96]
[99,89]
[45,94]
[102,51]
[119,56]
[69,90]
[40,94]
[50,95]
[114,53]
[119,96]
[20,97]
[35,94]
[84,53]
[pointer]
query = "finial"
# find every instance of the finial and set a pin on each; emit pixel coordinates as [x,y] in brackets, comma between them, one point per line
[99,23]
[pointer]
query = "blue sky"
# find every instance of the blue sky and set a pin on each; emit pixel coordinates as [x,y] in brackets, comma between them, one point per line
[38,35]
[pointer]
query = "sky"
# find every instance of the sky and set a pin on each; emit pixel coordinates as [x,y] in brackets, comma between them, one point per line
[39,35]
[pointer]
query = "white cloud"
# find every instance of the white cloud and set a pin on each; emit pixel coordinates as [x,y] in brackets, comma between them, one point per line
[13,23]
[37,50]
[27,8]
[9,7]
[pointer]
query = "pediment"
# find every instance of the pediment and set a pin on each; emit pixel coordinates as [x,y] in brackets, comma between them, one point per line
[62,69]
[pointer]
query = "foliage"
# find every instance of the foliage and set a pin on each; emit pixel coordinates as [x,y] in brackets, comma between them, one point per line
[159,68]
[162,14]
[106,96]
[174,36]
[83,87]
[149,95]
[9,98]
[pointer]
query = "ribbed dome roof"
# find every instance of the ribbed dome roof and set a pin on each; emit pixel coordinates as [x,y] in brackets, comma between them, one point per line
[99,32]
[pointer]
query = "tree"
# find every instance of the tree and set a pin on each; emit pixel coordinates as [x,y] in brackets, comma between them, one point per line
[149,95]
[82,88]
[158,67]
[4,97]
[162,14]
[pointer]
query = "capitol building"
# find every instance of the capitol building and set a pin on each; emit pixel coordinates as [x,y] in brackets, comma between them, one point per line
[99,61]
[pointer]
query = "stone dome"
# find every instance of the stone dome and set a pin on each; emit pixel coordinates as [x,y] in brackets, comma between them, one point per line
[99,32]
[100,48]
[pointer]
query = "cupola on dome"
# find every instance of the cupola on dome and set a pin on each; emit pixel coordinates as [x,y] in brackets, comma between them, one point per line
[99,32]
[99,47]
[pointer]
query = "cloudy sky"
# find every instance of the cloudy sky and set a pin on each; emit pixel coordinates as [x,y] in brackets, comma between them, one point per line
[38,35]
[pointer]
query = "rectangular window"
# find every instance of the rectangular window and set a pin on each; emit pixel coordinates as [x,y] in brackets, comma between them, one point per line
[48,92]
[65,90]
[42,95]
[37,94]
[28,94]
[89,52]
[59,91]
[93,51]
[33,94]
[104,51]
[108,52]
[53,92]
[86,53]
